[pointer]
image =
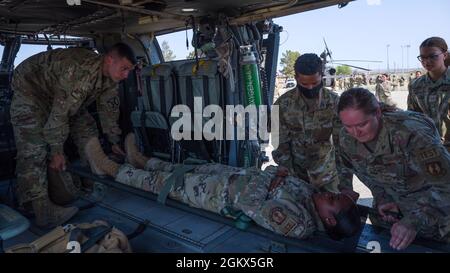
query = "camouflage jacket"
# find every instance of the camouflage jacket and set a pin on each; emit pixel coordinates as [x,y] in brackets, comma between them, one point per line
[432,99]
[408,166]
[382,90]
[307,129]
[61,82]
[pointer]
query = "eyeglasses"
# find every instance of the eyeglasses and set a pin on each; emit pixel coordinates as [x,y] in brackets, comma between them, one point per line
[432,57]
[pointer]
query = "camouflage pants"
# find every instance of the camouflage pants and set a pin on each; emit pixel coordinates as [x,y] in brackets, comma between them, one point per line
[215,187]
[28,118]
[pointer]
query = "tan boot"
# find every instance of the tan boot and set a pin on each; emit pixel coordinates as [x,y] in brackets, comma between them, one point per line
[134,157]
[51,215]
[100,164]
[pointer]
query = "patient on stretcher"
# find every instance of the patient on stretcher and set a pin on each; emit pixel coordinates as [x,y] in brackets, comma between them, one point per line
[283,204]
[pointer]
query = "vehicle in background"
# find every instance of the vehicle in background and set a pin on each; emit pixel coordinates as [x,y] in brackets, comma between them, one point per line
[290,83]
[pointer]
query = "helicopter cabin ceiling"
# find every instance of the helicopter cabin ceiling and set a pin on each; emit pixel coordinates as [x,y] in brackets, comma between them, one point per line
[92,17]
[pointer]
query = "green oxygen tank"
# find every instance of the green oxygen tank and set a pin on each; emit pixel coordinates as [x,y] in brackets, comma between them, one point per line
[252,86]
[250,73]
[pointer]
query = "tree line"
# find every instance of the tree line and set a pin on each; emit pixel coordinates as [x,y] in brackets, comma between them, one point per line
[287,61]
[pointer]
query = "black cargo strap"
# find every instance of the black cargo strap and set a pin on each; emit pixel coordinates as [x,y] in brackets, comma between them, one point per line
[138,81]
[147,147]
[94,234]
[162,95]
[206,90]
[139,230]
[190,96]
[174,102]
[207,99]
[175,180]
[142,128]
[148,83]
[173,78]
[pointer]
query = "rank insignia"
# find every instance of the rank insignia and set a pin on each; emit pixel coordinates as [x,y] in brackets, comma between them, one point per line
[435,168]
[277,215]
[427,154]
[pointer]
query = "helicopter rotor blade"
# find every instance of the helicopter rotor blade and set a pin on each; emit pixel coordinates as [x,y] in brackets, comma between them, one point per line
[327,49]
[358,67]
[367,61]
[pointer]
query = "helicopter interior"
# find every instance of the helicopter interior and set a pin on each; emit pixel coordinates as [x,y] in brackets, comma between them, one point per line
[147,97]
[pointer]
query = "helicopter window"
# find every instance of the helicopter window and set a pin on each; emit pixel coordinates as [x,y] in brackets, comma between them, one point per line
[176,42]
[29,50]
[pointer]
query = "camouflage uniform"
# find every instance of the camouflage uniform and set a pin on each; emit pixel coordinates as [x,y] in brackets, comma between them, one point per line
[52,91]
[351,83]
[433,99]
[394,82]
[383,92]
[409,166]
[305,147]
[358,81]
[340,83]
[288,209]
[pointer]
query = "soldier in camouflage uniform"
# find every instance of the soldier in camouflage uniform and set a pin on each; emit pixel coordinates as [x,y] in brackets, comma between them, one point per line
[394,82]
[351,81]
[430,93]
[383,90]
[358,80]
[283,204]
[309,126]
[398,155]
[52,91]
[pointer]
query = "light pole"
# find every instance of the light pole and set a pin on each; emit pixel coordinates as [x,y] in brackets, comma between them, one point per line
[403,67]
[387,55]
[407,56]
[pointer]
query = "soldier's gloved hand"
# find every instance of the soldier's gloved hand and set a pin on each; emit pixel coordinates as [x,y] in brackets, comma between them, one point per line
[117,150]
[384,208]
[58,162]
[402,236]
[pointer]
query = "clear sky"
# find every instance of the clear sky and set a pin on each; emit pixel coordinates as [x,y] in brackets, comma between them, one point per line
[361,30]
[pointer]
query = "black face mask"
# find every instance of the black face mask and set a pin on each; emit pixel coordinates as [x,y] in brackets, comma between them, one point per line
[310,93]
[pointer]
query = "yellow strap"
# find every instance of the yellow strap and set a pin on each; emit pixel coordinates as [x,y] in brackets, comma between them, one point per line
[47,239]
[200,64]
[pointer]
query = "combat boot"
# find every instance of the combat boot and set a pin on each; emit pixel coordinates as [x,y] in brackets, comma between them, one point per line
[98,161]
[50,215]
[134,157]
